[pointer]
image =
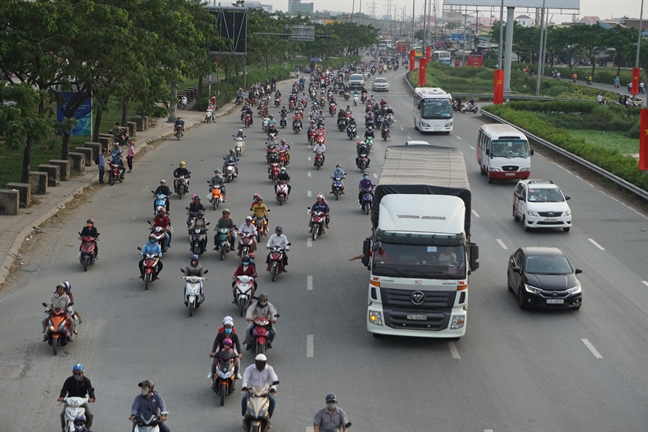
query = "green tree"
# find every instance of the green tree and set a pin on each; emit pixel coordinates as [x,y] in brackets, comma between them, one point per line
[590,40]
[620,38]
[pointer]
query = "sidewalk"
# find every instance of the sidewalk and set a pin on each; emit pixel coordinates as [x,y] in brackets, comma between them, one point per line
[15,229]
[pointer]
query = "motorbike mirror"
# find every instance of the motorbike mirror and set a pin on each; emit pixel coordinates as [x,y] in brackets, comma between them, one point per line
[71,304]
[208,223]
[347,425]
[288,244]
[139,248]
[148,222]
[276,316]
[152,191]
[44,304]
[206,271]
[182,270]
[308,208]
[275,382]
[79,233]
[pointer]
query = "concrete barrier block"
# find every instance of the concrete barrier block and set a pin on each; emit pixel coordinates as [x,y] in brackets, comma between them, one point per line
[77,161]
[95,146]
[146,122]
[132,129]
[139,121]
[9,202]
[105,143]
[109,137]
[53,174]
[38,182]
[24,190]
[64,172]
[88,152]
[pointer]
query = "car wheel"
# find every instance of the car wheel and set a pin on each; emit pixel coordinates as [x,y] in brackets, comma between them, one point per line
[524,224]
[521,299]
[516,218]
[508,283]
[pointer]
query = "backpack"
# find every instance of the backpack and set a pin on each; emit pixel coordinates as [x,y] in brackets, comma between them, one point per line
[96,160]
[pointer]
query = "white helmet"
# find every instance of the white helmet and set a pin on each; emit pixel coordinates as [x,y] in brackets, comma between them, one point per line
[261,357]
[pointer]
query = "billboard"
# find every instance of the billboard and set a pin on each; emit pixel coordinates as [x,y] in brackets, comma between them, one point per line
[550,4]
[232,26]
[83,114]
[451,16]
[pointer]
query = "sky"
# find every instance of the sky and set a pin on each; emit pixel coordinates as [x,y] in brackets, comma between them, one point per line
[604,9]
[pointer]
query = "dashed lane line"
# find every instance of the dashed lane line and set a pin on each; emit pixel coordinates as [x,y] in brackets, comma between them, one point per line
[453,350]
[308,194]
[501,243]
[309,346]
[375,175]
[309,242]
[475,213]
[645,282]
[596,244]
[589,345]
[309,283]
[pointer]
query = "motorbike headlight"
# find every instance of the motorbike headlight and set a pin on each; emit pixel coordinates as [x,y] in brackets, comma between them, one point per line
[532,212]
[532,289]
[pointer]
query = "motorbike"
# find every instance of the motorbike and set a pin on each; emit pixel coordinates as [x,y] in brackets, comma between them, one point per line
[277,102]
[114,174]
[352,131]
[363,161]
[159,234]
[456,106]
[367,200]
[88,254]
[332,109]
[283,158]
[183,103]
[260,334]
[276,261]
[150,268]
[245,243]
[244,292]
[209,116]
[256,417]
[239,146]
[588,81]
[297,126]
[73,409]
[316,224]
[198,240]
[215,195]
[230,171]
[469,107]
[574,80]
[337,187]
[369,144]
[282,121]
[179,132]
[160,201]
[58,325]
[192,289]
[341,124]
[291,105]
[319,160]
[182,185]
[282,192]
[261,225]
[355,100]
[347,95]
[224,377]
[617,84]
[384,132]
[247,120]
[150,424]
[223,244]
[264,124]
[275,167]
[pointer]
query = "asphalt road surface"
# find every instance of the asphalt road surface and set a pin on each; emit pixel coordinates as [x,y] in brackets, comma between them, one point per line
[513,370]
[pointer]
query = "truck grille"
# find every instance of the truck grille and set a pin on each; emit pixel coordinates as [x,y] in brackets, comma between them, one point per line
[550,214]
[510,168]
[402,299]
[435,321]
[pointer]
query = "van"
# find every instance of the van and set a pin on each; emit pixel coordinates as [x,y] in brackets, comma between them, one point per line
[503,152]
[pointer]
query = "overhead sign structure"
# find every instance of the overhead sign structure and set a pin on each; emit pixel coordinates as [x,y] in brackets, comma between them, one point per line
[232,26]
[303,33]
[451,16]
[549,4]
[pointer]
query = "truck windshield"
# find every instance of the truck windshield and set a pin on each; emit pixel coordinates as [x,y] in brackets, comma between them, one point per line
[419,261]
[510,149]
[436,109]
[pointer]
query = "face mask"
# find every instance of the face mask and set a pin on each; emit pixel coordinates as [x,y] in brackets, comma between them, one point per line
[330,405]
[145,391]
[79,428]
[78,377]
[260,365]
[263,303]
[152,241]
[228,331]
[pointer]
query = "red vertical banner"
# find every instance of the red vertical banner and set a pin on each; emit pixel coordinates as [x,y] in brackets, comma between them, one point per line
[412,64]
[422,79]
[643,140]
[428,53]
[636,77]
[498,87]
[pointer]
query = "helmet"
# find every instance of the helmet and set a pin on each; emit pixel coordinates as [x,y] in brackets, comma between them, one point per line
[67,286]
[331,398]
[278,229]
[338,166]
[226,211]
[251,255]
[162,182]
[200,213]
[283,141]
[77,368]
[263,296]
[60,286]
[147,383]
[245,260]
[152,237]
[240,130]
[182,164]
[161,209]
[231,151]
[320,196]
[119,152]
[248,218]
[228,320]
[194,196]
[217,171]
[370,127]
[194,257]
[261,357]
[79,419]
[227,341]
[90,221]
[283,169]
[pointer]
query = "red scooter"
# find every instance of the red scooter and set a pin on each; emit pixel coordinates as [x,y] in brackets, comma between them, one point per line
[150,268]
[319,159]
[113,175]
[88,254]
[247,120]
[245,243]
[261,333]
[276,261]
[273,172]
[317,223]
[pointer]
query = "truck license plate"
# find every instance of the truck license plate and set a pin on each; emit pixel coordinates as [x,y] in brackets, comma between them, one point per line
[509,174]
[419,317]
[555,301]
[551,220]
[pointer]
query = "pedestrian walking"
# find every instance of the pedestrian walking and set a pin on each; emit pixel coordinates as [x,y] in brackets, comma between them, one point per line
[101,159]
[130,154]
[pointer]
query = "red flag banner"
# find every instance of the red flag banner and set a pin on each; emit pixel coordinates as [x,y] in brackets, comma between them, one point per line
[412,64]
[498,87]
[422,78]
[643,141]
[428,53]
[636,77]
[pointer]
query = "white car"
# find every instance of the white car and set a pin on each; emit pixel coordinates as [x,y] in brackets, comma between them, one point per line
[356,81]
[541,204]
[380,84]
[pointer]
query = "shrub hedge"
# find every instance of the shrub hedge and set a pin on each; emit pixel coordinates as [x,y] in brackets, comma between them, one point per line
[621,165]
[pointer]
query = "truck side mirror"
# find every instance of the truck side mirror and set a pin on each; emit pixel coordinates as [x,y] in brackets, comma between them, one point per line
[531,152]
[474,256]
[366,249]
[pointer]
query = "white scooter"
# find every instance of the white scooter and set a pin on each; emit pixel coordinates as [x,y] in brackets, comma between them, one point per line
[264,125]
[183,102]
[355,99]
[244,292]
[73,409]
[239,147]
[209,116]
[148,425]
[192,289]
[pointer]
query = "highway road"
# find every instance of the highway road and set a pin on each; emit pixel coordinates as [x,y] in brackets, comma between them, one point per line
[514,370]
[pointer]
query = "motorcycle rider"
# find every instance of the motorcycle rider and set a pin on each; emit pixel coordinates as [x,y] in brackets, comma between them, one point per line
[361,147]
[179,124]
[193,269]
[198,222]
[283,175]
[117,160]
[338,172]
[163,189]
[272,124]
[148,403]
[151,248]
[284,148]
[59,300]
[231,158]
[369,133]
[247,110]
[284,111]
[248,228]
[261,308]
[225,222]
[162,220]
[90,231]
[80,424]
[80,386]
[365,183]
[278,239]
[259,209]
[321,205]
[330,418]
[226,332]
[218,180]
[180,171]
[320,147]
[244,269]
[259,374]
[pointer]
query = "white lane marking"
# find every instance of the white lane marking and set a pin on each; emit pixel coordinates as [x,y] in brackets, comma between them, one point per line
[488,430]
[375,175]
[501,243]
[596,244]
[309,173]
[409,137]
[308,194]
[453,350]
[309,345]
[458,137]
[310,428]
[475,213]
[401,128]
[472,147]
[309,283]
[309,242]
[645,282]
[309,158]
[589,345]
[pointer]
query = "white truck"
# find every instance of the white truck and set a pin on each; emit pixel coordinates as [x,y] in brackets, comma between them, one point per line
[420,255]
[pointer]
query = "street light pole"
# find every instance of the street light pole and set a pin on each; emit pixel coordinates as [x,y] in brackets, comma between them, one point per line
[540,49]
[501,38]
[639,43]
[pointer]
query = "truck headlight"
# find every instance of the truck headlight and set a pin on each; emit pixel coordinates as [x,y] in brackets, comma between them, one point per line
[457,322]
[525,169]
[375,317]
[425,124]
[449,124]
[532,213]
[494,169]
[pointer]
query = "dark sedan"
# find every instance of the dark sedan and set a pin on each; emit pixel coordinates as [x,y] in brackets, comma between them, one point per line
[543,277]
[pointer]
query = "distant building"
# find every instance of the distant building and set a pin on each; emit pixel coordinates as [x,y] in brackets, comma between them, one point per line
[297,7]
[525,21]
[259,5]
[589,20]
[633,23]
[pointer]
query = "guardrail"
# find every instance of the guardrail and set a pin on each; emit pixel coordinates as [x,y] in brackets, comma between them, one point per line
[600,171]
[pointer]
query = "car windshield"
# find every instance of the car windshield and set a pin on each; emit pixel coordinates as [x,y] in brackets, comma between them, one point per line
[546,195]
[380,80]
[510,149]
[547,264]
[436,109]
[424,261]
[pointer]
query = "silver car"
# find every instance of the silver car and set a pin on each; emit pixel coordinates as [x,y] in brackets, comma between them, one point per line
[380,84]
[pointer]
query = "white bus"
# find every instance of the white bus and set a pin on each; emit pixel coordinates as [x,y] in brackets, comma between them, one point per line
[432,110]
[503,152]
[441,57]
